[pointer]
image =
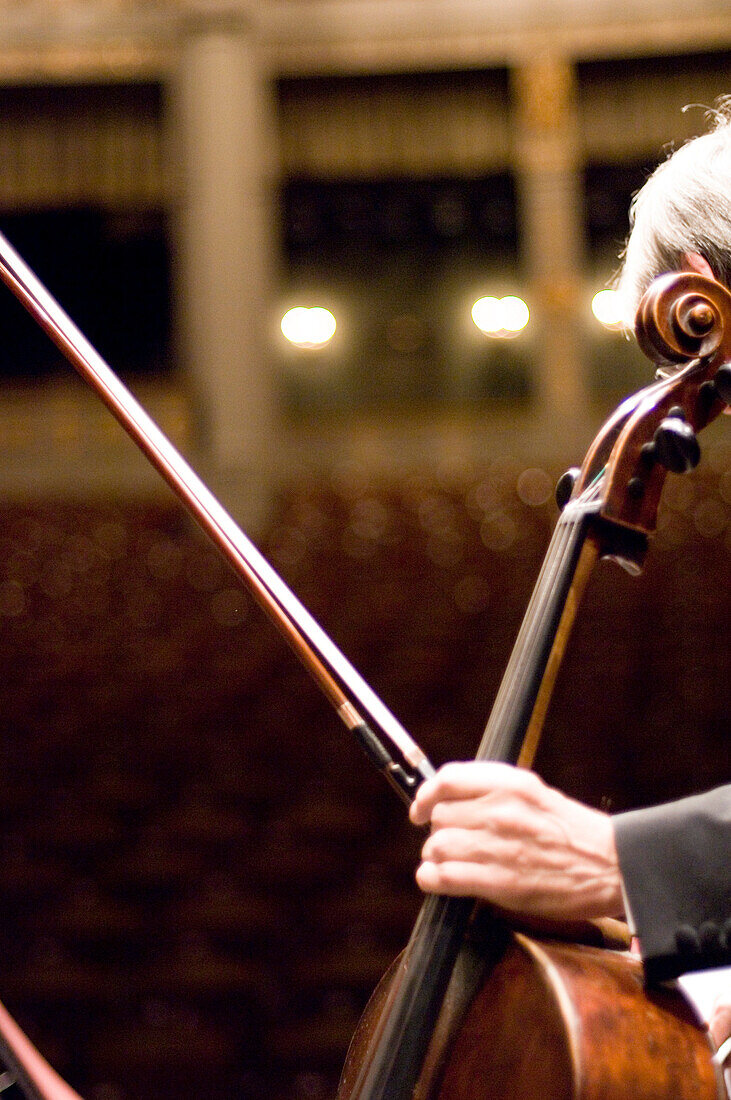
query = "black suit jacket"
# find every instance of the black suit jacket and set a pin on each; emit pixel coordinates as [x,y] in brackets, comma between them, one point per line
[676,865]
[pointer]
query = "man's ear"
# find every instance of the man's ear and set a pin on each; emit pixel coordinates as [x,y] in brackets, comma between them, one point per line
[693,261]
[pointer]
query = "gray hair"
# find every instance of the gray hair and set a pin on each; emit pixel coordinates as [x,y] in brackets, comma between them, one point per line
[685,206]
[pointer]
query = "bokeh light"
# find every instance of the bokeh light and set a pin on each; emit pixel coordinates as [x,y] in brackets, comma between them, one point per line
[500,317]
[308,327]
[607,308]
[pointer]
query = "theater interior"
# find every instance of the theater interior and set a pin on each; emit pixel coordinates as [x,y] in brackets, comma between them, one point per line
[203,877]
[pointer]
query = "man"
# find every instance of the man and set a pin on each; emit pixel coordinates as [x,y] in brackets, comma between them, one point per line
[682,216]
[501,834]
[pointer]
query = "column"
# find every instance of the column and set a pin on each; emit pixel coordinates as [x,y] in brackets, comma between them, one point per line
[224,173]
[550,212]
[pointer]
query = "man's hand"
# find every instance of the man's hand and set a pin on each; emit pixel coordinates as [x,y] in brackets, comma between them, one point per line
[719,1021]
[500,834]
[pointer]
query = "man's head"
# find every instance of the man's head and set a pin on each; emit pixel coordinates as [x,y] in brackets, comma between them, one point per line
[682,215]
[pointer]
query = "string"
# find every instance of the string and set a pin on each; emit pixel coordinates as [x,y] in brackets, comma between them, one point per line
[394,1058]
[525,667]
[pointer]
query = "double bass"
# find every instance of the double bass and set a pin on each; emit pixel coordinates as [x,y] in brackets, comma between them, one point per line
[476,1007]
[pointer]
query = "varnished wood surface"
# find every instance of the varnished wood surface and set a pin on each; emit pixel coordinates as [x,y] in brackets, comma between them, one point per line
[556,1021]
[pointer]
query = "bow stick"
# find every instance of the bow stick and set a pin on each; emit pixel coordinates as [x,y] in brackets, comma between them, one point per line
[391,749]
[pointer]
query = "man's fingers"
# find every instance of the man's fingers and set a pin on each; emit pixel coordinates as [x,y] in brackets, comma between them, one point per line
[459,844]
[453,878]
[720,1019]
[469,780]
[473,813]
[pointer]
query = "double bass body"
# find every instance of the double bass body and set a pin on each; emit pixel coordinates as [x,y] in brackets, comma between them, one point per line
[555,1020]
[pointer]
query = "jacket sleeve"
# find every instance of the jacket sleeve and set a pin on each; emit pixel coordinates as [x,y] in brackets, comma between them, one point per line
[676,866]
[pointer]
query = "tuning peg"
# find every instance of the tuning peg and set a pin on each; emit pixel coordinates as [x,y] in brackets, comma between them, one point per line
[565,486]
[674,444]
[722,382]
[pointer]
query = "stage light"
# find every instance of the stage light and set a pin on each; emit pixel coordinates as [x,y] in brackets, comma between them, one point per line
[486,314]
[308,327]
[500,317]
[515,313]
[607,308]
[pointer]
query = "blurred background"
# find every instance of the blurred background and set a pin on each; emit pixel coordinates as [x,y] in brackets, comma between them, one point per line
[202,880]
